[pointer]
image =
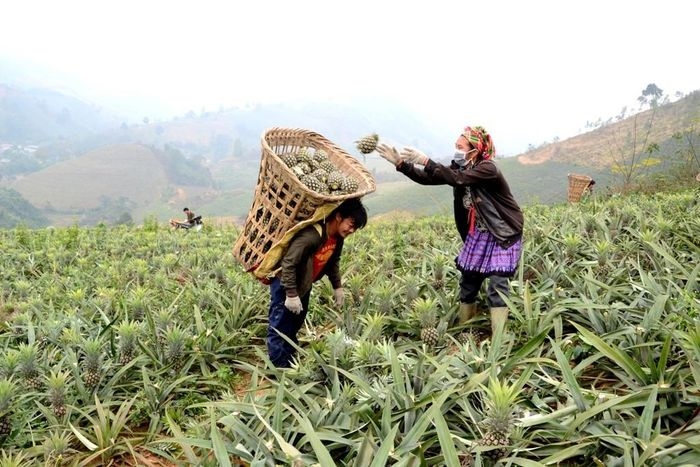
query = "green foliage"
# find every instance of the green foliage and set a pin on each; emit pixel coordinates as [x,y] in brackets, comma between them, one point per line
[183,170]
[602,345]
[14,210]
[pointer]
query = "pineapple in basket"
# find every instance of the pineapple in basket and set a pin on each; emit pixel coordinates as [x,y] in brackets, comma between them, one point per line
[312,183]
[320,156]
[500,401]
[305,156]
[290,159]
[367,143]
[336,180]
[425,311]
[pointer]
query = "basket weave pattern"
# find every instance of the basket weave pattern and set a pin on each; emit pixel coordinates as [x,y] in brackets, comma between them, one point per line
[281,200]
[577,186]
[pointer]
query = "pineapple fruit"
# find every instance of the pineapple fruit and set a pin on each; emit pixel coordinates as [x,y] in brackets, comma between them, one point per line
[466,459]
[500,403]
[92,362]
[439,273]
[128,332]
[175,343]
[425,310]
[56,384]
[317,172]
[7,393]
[28,367]
[367,143]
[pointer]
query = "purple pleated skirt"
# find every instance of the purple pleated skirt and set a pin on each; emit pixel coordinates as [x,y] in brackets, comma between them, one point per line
[481,253]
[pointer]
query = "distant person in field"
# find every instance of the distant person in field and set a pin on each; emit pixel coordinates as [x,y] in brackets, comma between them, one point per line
[312,253]
[488,218]
[588,191]
[190,222]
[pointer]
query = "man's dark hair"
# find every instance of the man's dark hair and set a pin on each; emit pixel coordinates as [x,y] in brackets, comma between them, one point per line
[186,209]
[353,208]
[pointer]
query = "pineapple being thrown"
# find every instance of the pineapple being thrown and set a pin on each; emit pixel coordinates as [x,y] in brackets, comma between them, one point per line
[367,144]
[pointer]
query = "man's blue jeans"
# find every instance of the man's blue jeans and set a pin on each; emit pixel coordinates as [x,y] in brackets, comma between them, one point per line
[283,321]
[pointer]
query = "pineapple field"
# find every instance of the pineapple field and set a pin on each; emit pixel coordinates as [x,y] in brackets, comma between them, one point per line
[146,346]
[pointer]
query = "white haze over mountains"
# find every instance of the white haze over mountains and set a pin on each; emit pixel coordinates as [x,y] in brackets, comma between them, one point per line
[527,71]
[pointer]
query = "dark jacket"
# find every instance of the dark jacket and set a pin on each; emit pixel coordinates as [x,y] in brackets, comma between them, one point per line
[297,262]
[492,198]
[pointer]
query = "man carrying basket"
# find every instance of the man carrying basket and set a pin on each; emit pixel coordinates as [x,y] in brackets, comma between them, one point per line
[313,252]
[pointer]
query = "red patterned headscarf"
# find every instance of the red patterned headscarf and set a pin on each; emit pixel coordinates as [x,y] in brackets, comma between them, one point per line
[481,140]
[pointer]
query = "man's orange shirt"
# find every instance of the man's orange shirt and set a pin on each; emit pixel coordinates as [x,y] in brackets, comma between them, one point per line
[322,256]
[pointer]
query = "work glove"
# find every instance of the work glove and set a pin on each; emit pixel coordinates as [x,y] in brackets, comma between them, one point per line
[293,304]
[389,153]
[339,297]
[414,156]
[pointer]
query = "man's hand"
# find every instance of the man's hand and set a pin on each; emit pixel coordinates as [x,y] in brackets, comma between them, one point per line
[339,296]
[293,304]
[389,153]
[414,156]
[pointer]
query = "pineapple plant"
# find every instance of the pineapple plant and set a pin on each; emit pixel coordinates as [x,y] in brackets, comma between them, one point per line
[128,332]
[367,144]
[92,362]
[9,363]
[366,353]
[28,367]
[374,326]
[424,309]
[7,393]
[500,403]
[439,272]
[163,321]
[175,343]
[56,384]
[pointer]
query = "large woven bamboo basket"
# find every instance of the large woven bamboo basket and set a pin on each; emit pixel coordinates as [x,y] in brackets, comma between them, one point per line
[281,200]
[577,186]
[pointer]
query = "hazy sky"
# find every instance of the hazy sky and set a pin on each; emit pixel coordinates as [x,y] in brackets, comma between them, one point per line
[527,71]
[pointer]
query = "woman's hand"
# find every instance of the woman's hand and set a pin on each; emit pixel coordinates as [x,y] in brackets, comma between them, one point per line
[389,153]
[414,156]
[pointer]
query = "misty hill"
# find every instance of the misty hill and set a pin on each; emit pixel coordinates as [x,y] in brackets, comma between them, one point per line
[602,146]
[114,179]
[210,161]
[33,116]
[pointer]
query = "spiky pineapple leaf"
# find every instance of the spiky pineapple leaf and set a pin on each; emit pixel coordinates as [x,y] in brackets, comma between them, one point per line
[569,377]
